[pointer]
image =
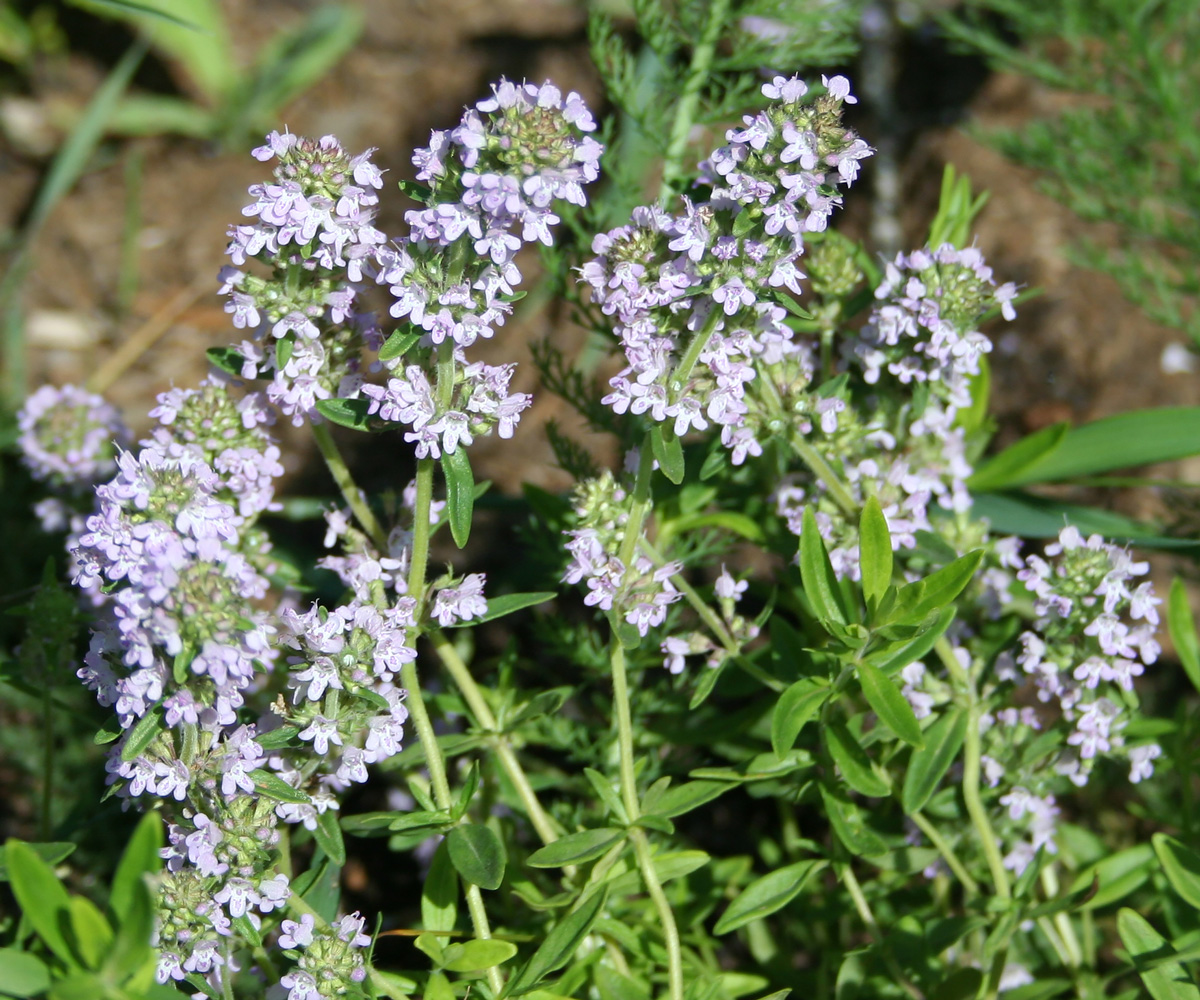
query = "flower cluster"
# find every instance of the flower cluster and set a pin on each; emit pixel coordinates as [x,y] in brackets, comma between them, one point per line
[494,181]
[69,440]
[314,230]
[1094,633]
[695,297]
[640,591]
[329,960]
[924,329]
[174,534]
[480,404]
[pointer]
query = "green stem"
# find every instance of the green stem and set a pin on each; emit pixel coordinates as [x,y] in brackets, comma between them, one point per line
[947,852]
[624,730]
[972,764]
[345,483]
[864,911]
[1062,920]
[689,99]
[422,529]
[824,471]
[471,693]
[666,915]
[640,507]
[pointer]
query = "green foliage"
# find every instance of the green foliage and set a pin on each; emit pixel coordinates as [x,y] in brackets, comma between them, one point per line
[1124,149]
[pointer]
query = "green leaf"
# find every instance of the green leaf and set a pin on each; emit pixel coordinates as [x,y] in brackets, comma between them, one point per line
[277,739]
[1182,627]
[890,705]
[963,984]
[91,934]
[1013,465]
[892,659]
[816,573]
[874,551]
[226,359]
[52,853]
[398,344]
[915,601]
[162,114]
[792,711]
[853,762]
[1138,437]
[472,956]
[1042,517]
[1168,981]
[460,493]
[132,949]
[328,835]
[1119,874]
[766,895]
[350,413]
[391,985]
[1181,866]
[973,418]
[42,899]
[437,987]
[271,785]
[144,732]
[141,858]
[560,944]
[690,795]
[576,848]
[667,450]
[506,604]
[21,974]
[478,855]
[543,703]
[850,825]
[606,793]
[929,765]
[439,895]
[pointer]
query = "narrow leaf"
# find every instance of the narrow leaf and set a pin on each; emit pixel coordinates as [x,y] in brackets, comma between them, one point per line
[328,836]
[1181,865]
[141,858]
[796,706]
[1167,981]
[270,784]
[460,493]
[472,956]
[1118,875]
[853,762]
[576,848]
[226,359]
[22,974]
[143,733]
[1013,465]
[890,705]
[52,853]
[1138,437]
[506,604]
[42,899]
[477,854]
[874,551]
[350,413]
[850,825]
[398,344]
[1182,627]
[816,573]
[668,452]
[915,601]
[439,895]
[892,659]
[560,944]
[929,765]
[766,895]
[1043,517]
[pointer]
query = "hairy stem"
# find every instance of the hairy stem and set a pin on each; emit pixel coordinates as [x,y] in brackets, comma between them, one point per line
[850,881]
[947,852]
[461,675]
[666,915]
[345,484]
[824,472]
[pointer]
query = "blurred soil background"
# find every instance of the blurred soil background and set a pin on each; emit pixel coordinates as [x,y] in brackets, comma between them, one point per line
[1077,352]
